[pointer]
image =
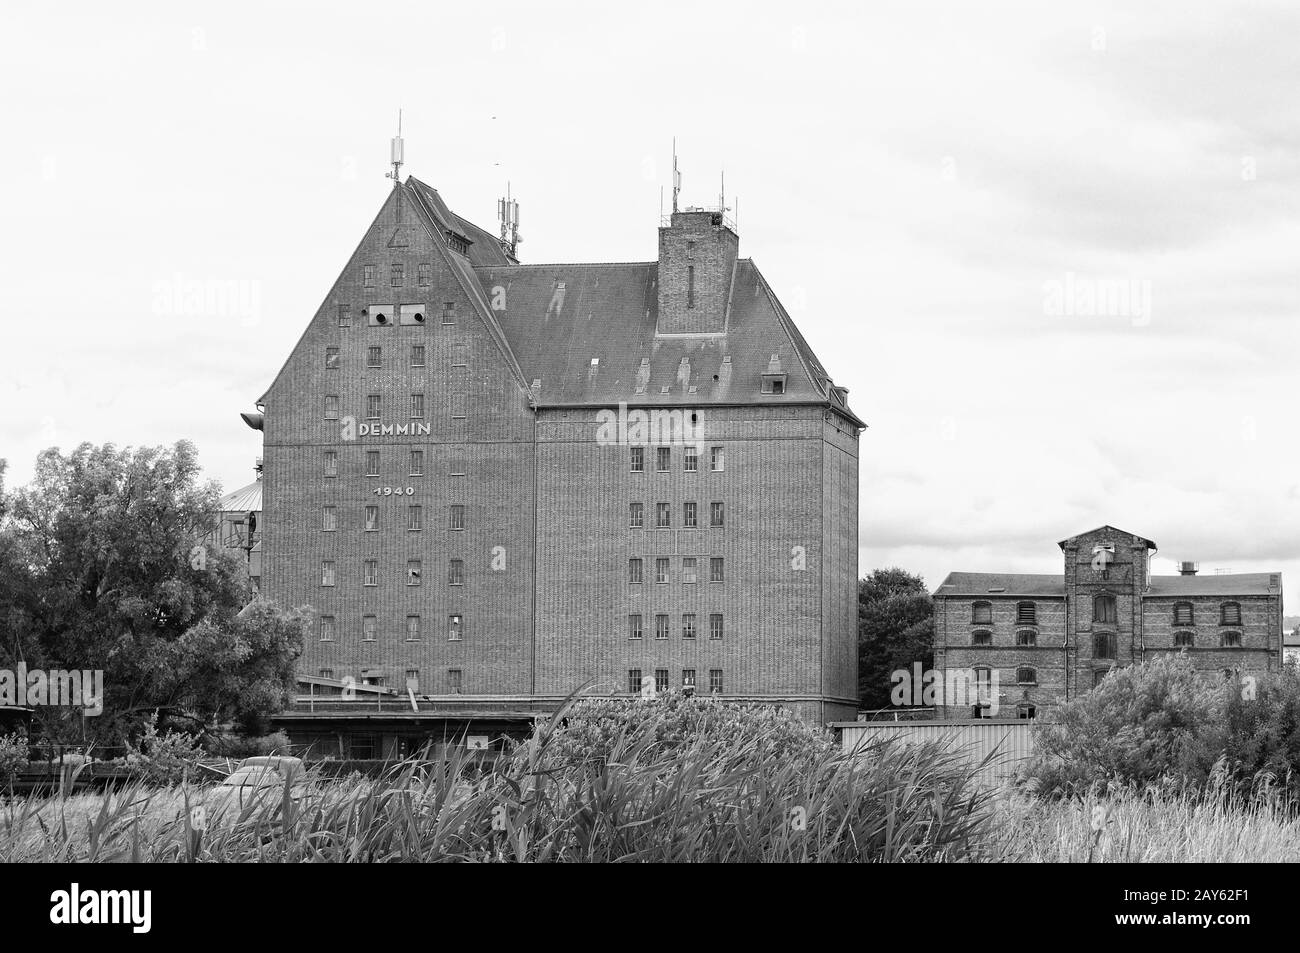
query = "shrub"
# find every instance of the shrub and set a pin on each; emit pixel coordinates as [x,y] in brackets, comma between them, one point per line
[239,746]
[163,758]
[13,756]
[1156,721]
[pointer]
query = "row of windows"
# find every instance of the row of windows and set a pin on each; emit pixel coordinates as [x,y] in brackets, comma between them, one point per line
[414,518]
[414,467]
[414,572]
[636,628]
[327,628]
[454,682]
[375,357]
[661,675]
[1104,609]
[663,569]
[664,515]
[375,406]
[690,457]
[1104,642]
[397,274]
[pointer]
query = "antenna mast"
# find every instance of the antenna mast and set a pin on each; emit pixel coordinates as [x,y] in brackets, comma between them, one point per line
[677,176]
[508,213]
[396,154]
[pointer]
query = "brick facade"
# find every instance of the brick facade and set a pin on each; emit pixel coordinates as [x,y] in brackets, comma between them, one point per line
[1105,610]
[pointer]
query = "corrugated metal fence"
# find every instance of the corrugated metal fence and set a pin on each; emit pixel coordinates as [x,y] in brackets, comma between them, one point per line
[1009,742]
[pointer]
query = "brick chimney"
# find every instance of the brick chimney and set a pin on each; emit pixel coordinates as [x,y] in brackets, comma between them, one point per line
[697,259]
[1188,568]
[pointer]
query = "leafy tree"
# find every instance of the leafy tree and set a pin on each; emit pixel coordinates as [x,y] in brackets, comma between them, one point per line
[103,540]
[895,630]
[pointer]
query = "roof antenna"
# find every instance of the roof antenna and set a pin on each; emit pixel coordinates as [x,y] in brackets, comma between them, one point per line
[677,176]
[396,154]
[508,213]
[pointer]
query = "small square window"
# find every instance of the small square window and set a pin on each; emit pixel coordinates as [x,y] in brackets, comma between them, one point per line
[688,678]
[417,355]
[456,466]
[374,356]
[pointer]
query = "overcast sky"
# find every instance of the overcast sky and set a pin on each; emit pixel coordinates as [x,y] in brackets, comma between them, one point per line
[935,191]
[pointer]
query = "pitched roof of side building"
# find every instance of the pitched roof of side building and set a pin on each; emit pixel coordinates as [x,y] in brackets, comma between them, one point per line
[1039,585]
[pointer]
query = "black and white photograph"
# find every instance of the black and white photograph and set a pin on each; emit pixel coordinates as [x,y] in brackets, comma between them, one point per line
[718,432]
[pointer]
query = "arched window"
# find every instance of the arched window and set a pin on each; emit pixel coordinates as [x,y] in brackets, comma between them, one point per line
[1026,637]
[1026,613]
[981,613]
[1026,676]
[1184,640]
[1103,608]
[1099,675]
[1230,613]
[1183,614]
[1232,640]
[981,637]
[1103,645]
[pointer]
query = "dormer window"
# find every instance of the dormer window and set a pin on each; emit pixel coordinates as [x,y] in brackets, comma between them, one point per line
[774,383]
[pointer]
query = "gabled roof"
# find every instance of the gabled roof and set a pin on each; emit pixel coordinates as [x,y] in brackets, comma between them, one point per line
[1112,529]
[607,313]
[1215,584]
[1001,584]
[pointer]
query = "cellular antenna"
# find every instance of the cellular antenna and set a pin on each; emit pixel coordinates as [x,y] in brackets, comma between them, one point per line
[508,213]
[677,176]
[396,154]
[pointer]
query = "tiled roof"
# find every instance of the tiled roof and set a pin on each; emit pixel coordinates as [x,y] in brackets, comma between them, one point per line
[484,247]
[244,499]
[1001,583]
[1214,584]
[606,313]
[1108,529]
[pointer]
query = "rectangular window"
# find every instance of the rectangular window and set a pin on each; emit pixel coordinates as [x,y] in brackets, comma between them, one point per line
[425,273]
[455,627]
[690,286]
[345,316]
[458,358]
[456,572]
[981,613]
[663,459]
[369,628]
[456,518]
[449,312]
[397,275]
[661,569]
[373,406]
[634,626]
[331,407]
[454,680]
[372,463]
[457,406]
[715,569]
[412,628]
[663,515]
[1026,637]
[688,625]
[1230,614]
[691,461]
[327,628]
[1183,613]
[372,519]
[374,356]
[327,572]
[717,461]
[688,678]
[715,625]
[414,572]
[331,359]
[1232,640]
[689,518]
[634,571]
[636,515]
[457,466]
[331,463]
[715,681]
[661,626]
[638,459]
[417,355]
[415,517]
[1104,609]
[416,467]
[368,275]
[715,514]
[417,406]
[329,520]
[661,679]
[690,574]
[370,572]
[634,680]
[1026,613]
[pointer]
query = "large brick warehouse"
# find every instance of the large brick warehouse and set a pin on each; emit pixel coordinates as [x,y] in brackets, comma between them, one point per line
[1035,641]
[496,483]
